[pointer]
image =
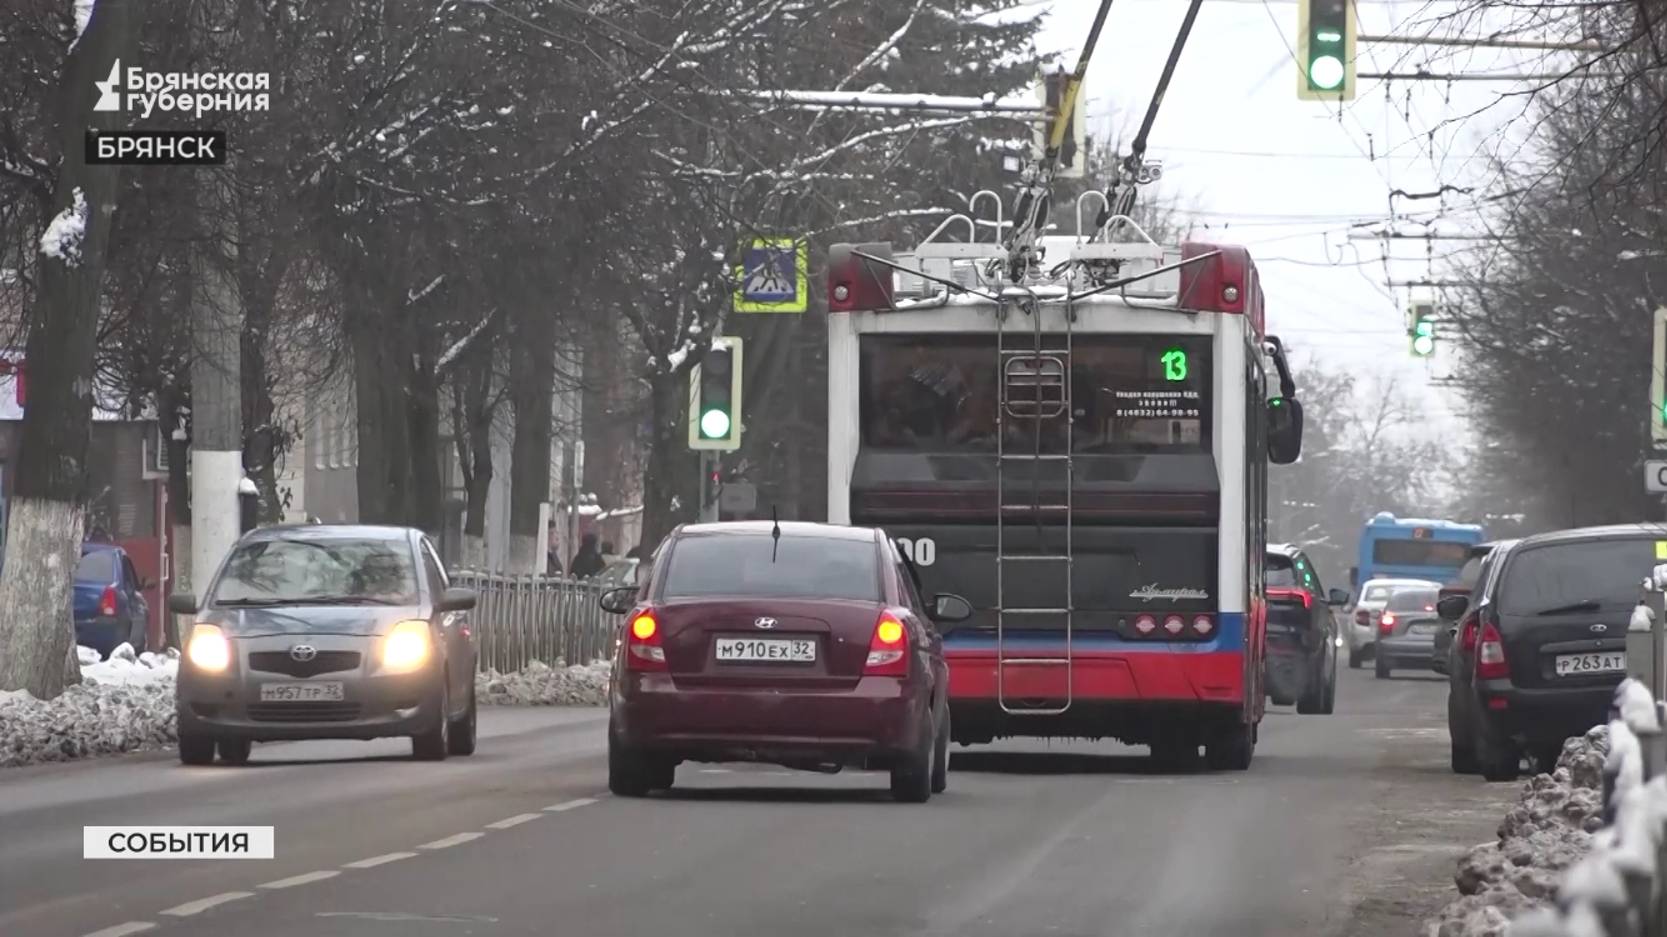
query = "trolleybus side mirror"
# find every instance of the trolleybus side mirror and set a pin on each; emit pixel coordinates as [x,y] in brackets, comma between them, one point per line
[947,608]
[1451,607]
[1284,430]
[1337,597]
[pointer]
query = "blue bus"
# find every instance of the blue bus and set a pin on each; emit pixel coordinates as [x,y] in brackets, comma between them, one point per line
[1412,548]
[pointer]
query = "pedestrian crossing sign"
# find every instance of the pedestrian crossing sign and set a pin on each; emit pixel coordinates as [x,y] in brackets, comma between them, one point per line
[774,277]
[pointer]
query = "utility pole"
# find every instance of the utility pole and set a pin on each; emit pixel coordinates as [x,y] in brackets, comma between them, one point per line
[216,338]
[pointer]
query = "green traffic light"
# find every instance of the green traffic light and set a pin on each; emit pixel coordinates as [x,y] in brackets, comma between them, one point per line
[1423,345]
[714,424]
[1326,72]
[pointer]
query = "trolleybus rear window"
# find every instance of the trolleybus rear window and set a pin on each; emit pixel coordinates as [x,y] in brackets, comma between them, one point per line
[1420,553]
[1129,394]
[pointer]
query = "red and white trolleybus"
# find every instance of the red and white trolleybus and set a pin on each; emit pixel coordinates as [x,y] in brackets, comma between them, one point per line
[1083,455]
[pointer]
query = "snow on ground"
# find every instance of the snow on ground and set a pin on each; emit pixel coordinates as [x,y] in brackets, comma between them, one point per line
[126,704]
[1548,830]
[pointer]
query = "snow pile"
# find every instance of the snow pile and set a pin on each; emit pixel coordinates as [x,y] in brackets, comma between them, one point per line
[123,704]
[1546,833]
[62,238]
[539,684]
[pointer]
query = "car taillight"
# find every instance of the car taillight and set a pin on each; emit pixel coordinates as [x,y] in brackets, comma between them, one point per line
[1467,636]
[1201,624]
[1362,617]
[107,602]
[888,649]
[1490,655]
[1386,624]
[642,643]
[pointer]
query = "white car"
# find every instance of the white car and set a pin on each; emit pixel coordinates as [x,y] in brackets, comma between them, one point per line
[1368,605]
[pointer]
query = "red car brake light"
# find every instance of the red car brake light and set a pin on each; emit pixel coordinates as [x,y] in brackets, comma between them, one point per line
[1386,624]
[642,644]
[1303,594]
[1467,636]
[107,602]
[888,649]
[1490,655]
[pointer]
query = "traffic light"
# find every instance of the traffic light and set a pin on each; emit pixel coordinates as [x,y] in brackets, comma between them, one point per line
[715,398]
[1325,50]
[1422,329]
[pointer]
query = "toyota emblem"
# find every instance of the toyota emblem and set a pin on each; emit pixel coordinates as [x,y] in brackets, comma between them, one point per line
[764,623]
[303,652]
[1599,628]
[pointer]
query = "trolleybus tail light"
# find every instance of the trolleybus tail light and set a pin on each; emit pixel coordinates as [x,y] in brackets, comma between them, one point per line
[1174,624]
[1145,624]
[857,284]
[1202,625]
[642,643]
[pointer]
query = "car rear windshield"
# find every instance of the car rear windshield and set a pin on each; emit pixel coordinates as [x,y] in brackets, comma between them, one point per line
[757,565]
[1472,570]
[1575,574]
[98,566]
[1375,594]
[1412,600]
[321,571]
[1280,571]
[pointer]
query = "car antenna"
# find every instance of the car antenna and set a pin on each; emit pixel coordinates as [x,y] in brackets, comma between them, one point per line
[775,533]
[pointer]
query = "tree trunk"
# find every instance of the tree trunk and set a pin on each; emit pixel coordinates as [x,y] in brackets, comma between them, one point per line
[670,493]
[532,385]
[384,450]
[473,417]
[37,634]
[425,505]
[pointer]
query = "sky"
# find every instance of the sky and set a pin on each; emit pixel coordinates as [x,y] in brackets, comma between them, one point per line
[1245,157]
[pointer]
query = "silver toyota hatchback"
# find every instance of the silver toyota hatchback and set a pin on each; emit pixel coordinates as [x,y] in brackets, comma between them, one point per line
[327,632]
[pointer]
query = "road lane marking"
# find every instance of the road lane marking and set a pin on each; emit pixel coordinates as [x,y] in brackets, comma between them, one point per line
[302,879]
[121,930]
[375,861]
[203,904]
[452,840]
[570,805]
[516,820]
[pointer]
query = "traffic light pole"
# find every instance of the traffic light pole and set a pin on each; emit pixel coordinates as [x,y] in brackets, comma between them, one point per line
[709,489]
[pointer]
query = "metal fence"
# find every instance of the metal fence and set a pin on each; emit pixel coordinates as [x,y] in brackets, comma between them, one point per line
[523,618]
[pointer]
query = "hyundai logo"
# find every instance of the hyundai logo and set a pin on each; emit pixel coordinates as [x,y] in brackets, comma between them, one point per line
[1599,628]
[303,652]
[764,623]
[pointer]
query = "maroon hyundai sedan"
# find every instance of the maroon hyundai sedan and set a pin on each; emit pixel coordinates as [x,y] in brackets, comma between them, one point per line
[803,645]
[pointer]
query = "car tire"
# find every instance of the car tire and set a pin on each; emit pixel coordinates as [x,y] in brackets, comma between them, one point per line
[463,734]
[434,744]
[911,779]
[1312,702]
[940,757]
[628,771]
[1497,757]
[1328,703]
[1381,667]
[1175,754]
[1231,748]
[234,751]
[196,749]
[1459,738]
[1355,658]
[1546,755]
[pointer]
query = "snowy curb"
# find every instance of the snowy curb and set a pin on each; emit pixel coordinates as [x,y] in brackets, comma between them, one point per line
[126,704]
[539,684]
[1547,832]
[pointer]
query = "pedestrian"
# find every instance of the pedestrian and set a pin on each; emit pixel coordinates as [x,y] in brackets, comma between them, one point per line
[588,561]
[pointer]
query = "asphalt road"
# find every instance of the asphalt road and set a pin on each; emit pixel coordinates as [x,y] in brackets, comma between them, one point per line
[1345,824]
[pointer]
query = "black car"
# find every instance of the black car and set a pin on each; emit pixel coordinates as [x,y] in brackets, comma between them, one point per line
[1302,633]
[1462,585]
[1542,644]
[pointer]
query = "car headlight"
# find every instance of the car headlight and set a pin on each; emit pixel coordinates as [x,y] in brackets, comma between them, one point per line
[407,646]
[208,648]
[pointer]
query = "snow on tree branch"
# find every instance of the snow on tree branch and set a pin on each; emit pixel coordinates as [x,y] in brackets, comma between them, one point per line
[62,238]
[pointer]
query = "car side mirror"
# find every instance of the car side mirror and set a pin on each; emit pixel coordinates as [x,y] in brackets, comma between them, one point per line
[947,608]
[457,600]
[1337,597]
[182,603]
[618,601]
[1451,607]
[1284,430]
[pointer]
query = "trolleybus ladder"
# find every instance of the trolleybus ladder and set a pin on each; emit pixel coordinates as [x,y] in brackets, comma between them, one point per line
[1045,372]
